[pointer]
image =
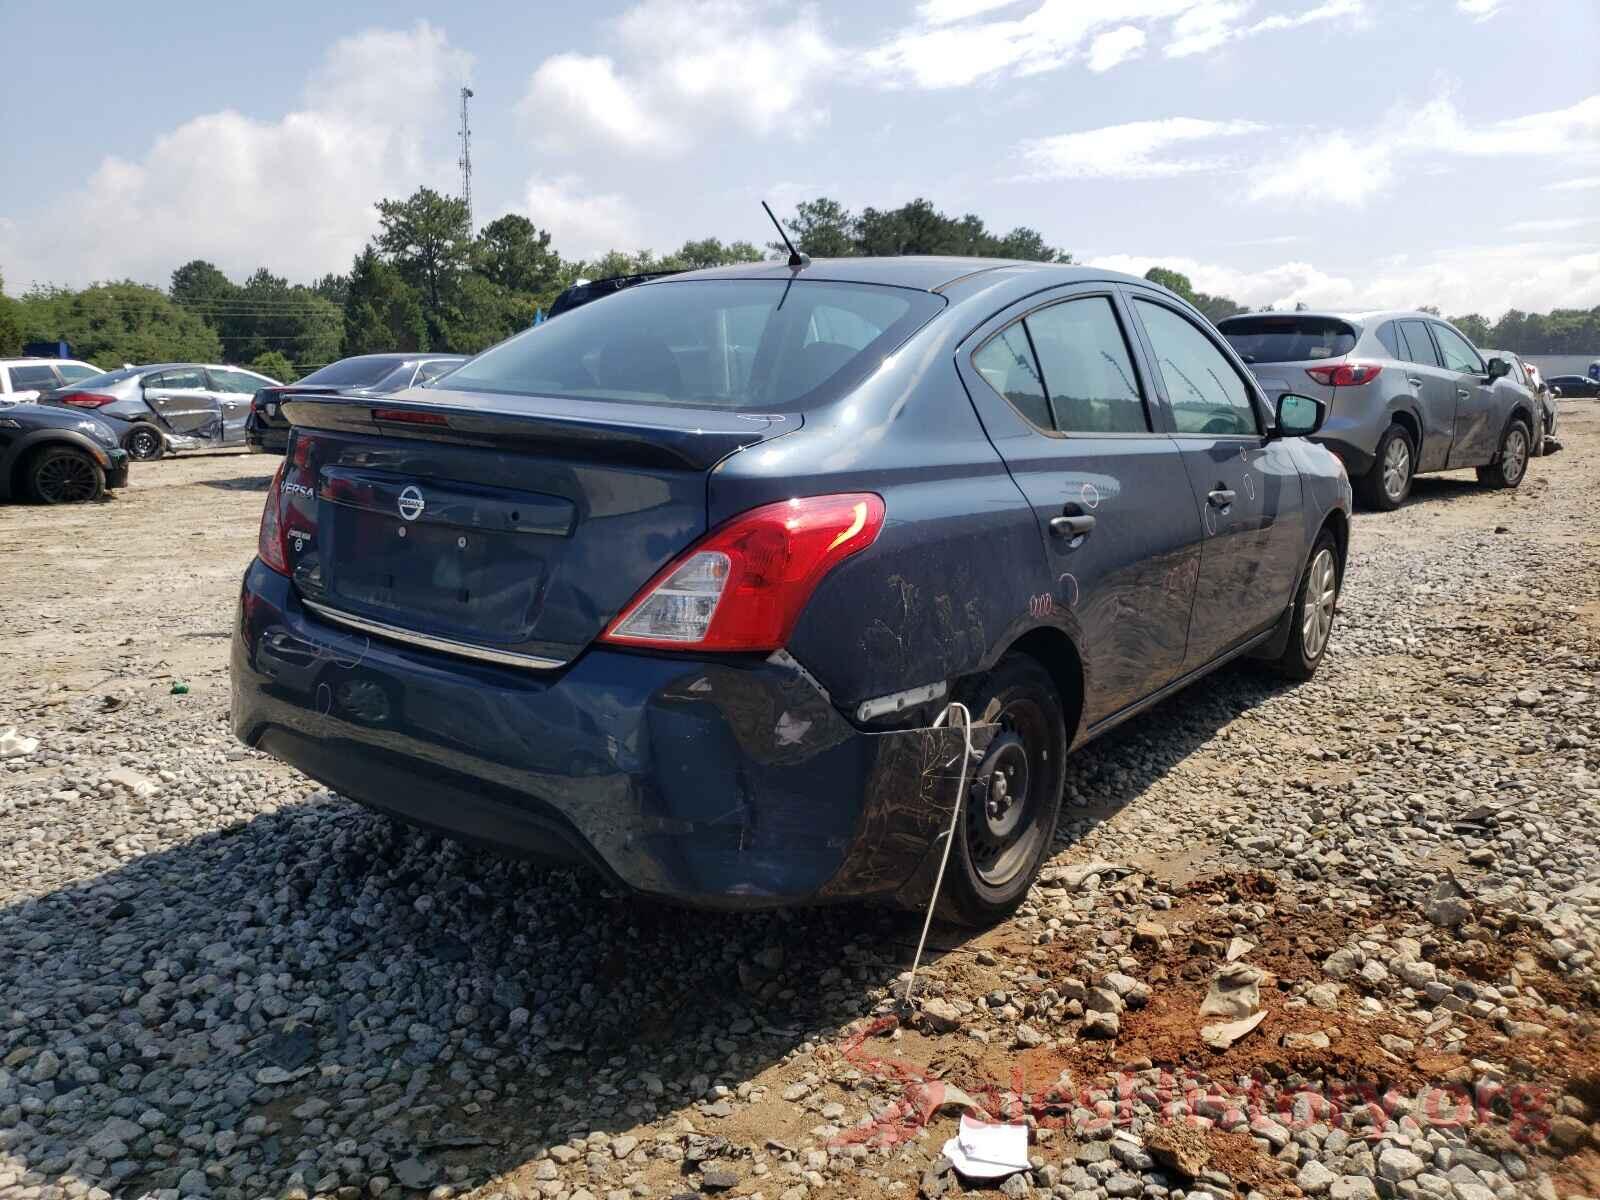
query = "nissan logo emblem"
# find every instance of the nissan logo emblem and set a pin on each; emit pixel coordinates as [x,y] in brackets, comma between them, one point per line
[411,502]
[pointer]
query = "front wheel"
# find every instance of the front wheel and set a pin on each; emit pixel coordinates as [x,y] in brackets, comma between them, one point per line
[1511,465]
[1314,607]
[65,475]
[1013,796]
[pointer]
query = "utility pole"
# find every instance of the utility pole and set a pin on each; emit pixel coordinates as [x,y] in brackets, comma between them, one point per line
[465,161]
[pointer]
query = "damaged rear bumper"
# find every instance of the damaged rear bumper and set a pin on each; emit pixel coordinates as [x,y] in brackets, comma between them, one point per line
[716,782]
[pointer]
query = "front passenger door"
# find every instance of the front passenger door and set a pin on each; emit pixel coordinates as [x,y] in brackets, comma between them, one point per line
[182,397]
[1477,432]
[234,390]
[1246,485]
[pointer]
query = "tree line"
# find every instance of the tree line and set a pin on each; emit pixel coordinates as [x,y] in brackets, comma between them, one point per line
[427,282]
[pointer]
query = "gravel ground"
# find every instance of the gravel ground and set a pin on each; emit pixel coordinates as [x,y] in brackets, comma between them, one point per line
[218,980]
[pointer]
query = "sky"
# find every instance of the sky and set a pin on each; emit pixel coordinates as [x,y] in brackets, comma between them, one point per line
[1344,153]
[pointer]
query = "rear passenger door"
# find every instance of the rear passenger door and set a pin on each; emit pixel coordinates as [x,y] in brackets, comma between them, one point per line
[182,398]
[1477,426]
[1056,385]
[234,391]
[1246,486]
[1436,393]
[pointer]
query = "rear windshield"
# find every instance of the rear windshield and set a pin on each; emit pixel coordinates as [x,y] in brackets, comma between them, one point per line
[1288,338]
[109,377]
[760,344]
[352,372]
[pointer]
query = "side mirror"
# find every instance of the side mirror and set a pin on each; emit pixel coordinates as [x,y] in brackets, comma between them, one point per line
[1555,391]
[1299,416]
[1498,368]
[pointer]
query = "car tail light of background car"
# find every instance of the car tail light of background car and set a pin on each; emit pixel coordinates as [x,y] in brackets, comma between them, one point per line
[743,585]
[87,399]
[1345,374]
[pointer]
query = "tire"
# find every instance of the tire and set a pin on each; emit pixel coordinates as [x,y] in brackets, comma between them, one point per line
[1394,466]
[144,443]
[64,475]
[1510,465]
[1006,828]
[1316,602]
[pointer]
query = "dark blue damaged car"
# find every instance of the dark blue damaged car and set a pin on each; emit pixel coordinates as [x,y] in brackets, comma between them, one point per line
[677,585]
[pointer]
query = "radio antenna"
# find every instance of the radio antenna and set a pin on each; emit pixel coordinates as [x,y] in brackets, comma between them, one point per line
[796,259]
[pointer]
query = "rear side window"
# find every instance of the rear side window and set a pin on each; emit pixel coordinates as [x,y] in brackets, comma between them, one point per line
[1390,337]
[236,381]
[187,377]
[1457,352]
[1088,372]
[1007,365]
[1415,343]
[352,372]
[72,372]
[762,344]
[1288,338]
[1206,393]
[33,379]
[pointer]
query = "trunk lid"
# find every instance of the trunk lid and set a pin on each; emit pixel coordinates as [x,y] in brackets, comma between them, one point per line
[1279,347]
[501,527]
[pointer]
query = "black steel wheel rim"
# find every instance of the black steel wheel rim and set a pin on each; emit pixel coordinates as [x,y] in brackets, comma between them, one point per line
[65,479]
[143,445]
[1006,795]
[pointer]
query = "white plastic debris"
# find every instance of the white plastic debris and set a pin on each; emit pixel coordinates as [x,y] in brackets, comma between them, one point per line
[983,1150]
[14,745]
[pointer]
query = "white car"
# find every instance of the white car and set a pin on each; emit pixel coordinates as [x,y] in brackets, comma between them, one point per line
[24,379]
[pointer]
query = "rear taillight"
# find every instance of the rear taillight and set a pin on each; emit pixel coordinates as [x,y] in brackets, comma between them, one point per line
[1345,374]
[271,546]
[87,399]
[743,585]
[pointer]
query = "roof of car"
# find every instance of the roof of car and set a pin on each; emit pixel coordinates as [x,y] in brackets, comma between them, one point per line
[43,362]
[928,273]
[399,356]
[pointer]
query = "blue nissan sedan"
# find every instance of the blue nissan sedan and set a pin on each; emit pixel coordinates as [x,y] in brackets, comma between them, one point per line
[678,583]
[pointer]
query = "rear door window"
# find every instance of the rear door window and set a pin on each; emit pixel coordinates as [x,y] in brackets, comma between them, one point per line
[190,378]
[1416,343]
[1457,352]
[1088,372]
[1288,338]
[1206,393]
[236,381]
[1007,364]
[1390,337]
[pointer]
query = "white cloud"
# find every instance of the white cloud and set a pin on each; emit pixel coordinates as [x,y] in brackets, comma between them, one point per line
[1135,150]
[684,67]
[295,194]
[1213,23]
[1552,224]
[582,222]
[1117,46]
[1574,185]
[942,12]
[1534,276]
[1349,168]
[1479,10]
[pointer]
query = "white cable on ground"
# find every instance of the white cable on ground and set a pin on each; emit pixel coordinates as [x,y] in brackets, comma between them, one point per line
[949,838]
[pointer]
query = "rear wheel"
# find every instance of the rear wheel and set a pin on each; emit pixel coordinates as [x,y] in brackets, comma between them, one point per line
[65,475]
[1386,486]
[144,443]
[1311,624]
[1013,796]
[1511,465]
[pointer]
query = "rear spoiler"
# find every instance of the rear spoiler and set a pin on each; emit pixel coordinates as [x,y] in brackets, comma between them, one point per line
[693,438]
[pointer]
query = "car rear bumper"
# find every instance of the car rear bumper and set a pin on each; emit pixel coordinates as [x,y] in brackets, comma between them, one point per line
[265,439]
[722,783]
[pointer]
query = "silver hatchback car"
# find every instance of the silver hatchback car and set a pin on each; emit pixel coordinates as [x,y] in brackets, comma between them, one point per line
[1406,393]
[167,406]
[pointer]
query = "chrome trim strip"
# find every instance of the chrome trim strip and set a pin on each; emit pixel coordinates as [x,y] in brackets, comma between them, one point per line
[532,662]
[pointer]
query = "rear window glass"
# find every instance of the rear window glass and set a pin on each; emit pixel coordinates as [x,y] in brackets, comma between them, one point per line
[1288,338]
[352,372]
[758,344]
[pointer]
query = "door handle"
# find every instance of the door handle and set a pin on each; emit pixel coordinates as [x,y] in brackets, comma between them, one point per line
[1220,497]
[1413,381]
[1072,526]
[1463,394]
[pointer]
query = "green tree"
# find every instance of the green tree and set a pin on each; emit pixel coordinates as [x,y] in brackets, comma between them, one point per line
[275,365]
[709,252]
[10,323]
[1173,281]
[199,285]
[1475,326]
[333,288]
[481,313]
[425,238]
[113,323]
[1213,308]
[381,311]
[513,253]
[822,228]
